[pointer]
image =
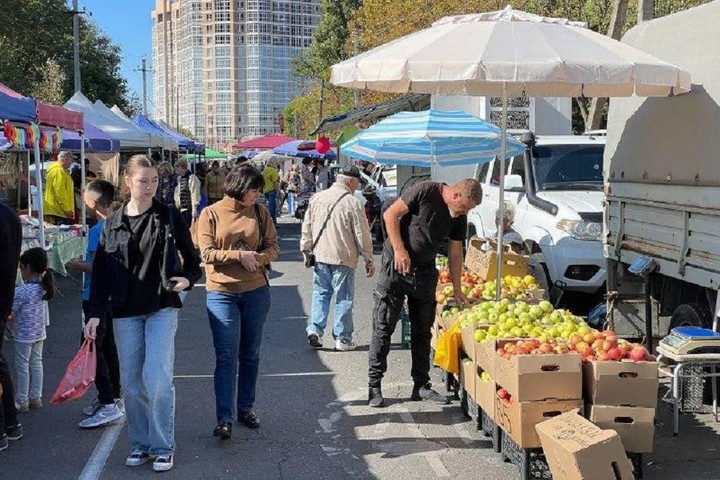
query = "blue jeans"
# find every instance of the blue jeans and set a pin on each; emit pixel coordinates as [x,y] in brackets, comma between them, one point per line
[236,321]
[271,198]
[29,366]
[146,350]
[329,279]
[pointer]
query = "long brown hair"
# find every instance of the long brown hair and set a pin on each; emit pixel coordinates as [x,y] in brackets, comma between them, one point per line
[133,164]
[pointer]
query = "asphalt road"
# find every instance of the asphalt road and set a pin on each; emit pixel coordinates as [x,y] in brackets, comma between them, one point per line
[315,424]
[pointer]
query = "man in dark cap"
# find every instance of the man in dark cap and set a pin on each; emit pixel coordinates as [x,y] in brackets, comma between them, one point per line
[335,231]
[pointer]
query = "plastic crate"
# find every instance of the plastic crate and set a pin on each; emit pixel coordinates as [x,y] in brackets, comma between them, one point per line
[691,388]
[637,462]
[490,428]
[530,461]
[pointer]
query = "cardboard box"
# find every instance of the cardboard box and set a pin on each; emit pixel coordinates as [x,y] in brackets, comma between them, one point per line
[485,354]
[531,378]
[635,425]
[468,340]
[575,449]
[625,383]
[467,376]
[485,263]
[518,419]
[485,392]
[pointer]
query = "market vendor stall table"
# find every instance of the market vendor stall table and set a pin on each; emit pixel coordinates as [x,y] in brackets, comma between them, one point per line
[672,365]
[61,253]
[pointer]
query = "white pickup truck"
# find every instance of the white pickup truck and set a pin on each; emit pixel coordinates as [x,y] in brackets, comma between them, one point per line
[662,166]
[556,188]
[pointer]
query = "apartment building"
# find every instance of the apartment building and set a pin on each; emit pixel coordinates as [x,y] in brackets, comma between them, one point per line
[221,68]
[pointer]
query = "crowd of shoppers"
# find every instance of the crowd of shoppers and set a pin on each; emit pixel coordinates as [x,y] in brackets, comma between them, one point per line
[141,261]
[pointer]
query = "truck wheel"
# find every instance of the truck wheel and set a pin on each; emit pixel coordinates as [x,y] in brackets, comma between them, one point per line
[691,315]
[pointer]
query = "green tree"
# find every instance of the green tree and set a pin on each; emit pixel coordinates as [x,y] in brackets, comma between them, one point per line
[36,41]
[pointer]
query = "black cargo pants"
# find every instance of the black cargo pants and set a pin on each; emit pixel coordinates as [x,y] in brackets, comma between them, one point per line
[419,288]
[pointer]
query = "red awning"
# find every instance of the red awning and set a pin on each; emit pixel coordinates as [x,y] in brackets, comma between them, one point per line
[269,141]
[59,117]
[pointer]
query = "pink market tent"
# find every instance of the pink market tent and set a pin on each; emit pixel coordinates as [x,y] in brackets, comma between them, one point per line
[266,142]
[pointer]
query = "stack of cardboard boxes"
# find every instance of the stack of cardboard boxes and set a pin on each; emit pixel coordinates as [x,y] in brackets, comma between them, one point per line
[622,396]
[539,387]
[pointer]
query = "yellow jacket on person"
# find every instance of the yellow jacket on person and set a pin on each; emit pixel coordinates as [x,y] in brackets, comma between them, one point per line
[59,199]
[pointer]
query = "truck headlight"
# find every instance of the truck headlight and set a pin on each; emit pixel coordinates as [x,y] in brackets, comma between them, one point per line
[580,229]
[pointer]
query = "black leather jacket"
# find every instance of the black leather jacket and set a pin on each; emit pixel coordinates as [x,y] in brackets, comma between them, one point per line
[111,275]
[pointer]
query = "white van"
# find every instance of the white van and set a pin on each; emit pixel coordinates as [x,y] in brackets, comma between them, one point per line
[556,188]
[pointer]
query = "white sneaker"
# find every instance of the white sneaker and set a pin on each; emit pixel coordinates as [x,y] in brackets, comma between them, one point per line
[104,415]
[163,463]
[345,345]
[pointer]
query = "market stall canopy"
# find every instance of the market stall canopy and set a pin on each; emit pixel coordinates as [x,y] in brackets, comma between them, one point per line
[130,137]
[430,138]
[184,142]
[157,140]
[210,153]
[266,142]
[16,109]
[303,149]
[46,114]
[95,140]
[410,103]
[146,124]
[480,54]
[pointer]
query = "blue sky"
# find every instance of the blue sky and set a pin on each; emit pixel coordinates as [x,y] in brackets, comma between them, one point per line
[129,25]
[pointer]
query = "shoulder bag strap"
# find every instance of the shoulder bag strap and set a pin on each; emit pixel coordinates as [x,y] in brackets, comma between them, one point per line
[322,229]
[261,226]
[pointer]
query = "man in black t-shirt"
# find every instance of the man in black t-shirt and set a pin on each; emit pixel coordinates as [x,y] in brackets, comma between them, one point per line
[418,224]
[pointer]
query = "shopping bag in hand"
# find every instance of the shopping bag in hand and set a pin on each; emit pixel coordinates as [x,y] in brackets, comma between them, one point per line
[79,375]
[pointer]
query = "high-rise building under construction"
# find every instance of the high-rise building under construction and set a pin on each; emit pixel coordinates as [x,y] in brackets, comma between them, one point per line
[221,68]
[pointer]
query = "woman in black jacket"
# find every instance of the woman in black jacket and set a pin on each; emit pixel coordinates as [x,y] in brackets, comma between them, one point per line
[144,260]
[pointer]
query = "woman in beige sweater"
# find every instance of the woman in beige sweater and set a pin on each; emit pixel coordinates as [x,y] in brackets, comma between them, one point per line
[237,241]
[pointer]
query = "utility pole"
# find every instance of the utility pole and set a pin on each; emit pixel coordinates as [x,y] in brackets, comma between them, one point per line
[144,71]
[76,43]
[646,10]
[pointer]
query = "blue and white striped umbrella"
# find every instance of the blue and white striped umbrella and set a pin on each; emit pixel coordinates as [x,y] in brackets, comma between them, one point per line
[431,137]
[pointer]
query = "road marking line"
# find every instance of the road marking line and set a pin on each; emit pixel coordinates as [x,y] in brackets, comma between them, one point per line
[432,457]
[96,463]
[291,374]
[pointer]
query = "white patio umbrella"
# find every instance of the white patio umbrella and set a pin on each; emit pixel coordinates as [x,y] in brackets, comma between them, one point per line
[510,52]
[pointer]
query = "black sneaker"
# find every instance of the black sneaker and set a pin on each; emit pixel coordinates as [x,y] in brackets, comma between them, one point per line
[3,442]
[425,392]
[375,397]
[314,341]
[14,433]
[223,430]
[249,419]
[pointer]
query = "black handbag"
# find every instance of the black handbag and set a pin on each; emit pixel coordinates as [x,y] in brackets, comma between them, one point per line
[172,265]
[309,257]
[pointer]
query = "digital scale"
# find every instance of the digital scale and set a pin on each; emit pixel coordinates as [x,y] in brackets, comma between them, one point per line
[691,340]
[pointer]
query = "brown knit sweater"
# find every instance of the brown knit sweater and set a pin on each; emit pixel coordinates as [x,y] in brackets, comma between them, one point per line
[220,229]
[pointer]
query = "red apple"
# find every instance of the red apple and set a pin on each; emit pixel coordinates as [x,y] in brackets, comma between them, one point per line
[504,394]
[615,354]
[638,354]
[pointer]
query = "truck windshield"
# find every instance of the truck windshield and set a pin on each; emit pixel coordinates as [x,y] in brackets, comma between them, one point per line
[568,167]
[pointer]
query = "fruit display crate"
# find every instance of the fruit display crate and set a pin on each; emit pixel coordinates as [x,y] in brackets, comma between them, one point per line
[530,461]
[489,428]
[473,411]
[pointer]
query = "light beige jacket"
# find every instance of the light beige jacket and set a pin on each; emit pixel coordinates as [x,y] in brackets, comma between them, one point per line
[347,234]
